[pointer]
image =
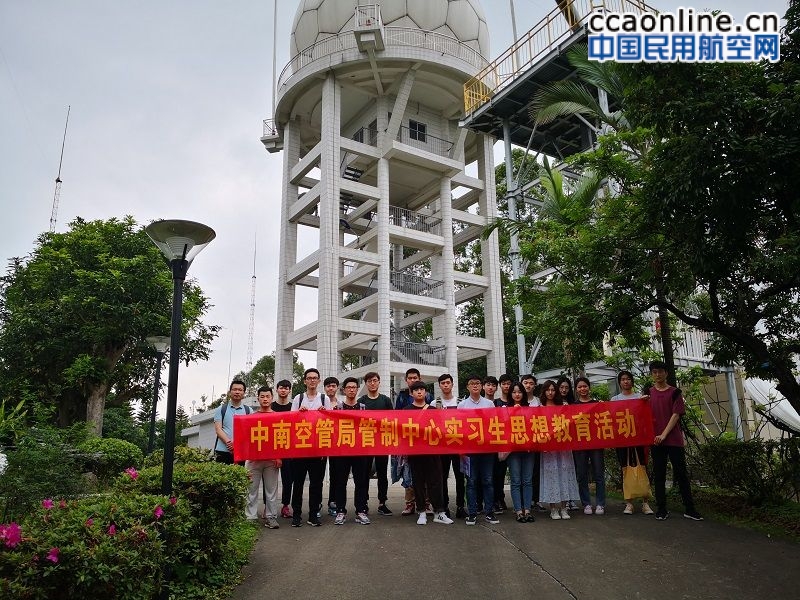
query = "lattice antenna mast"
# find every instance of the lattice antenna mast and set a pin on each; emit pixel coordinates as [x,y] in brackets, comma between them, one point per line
[251,330]
[57,193]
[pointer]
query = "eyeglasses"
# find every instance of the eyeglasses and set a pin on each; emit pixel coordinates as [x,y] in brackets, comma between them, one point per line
[351,387]
[311,377]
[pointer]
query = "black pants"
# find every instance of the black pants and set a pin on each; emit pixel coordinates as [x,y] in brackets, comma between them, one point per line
[382,472]
[499,480]
[331,482]
[426,474]
[226,458]
[625,455]
[455,461]
[286,481]
[342,466]
[677,456]
[315,469]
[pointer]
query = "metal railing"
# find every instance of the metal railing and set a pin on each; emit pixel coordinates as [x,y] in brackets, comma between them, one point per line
[408,283]
[368,16]
[692,346]
[366,135]
[402,217]
[555,28]
[270,128]
[418,353]
[424,141]
[393,36]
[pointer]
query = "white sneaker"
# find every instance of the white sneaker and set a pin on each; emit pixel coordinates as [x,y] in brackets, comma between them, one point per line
[422,519]
[646,508]
[565,514]
[340,519]
[362,518]
[443,519]
[554,514]
[599,510]
[587,510]
[629,509]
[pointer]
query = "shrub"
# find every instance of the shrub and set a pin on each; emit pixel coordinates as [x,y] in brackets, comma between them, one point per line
[41,466]
[108,457]
[757,470]
[183,455]
[215,493]
[99,547]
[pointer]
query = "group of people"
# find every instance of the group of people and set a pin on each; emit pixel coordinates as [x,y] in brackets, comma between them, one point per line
[554,480]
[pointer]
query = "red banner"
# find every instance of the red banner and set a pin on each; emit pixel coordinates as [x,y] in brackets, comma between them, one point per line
[260,436]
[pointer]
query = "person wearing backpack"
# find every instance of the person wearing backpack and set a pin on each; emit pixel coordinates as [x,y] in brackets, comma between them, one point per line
[342,466]
[223,422]
[668,406]
[314,467]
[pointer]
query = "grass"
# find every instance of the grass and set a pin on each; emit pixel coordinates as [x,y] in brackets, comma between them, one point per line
[780,521]
[774,520]
[221,582]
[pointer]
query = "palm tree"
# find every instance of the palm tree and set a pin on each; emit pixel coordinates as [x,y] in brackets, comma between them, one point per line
[587,98]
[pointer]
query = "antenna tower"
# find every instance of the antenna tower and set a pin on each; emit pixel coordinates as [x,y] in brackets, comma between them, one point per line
[249,364]
[57,193]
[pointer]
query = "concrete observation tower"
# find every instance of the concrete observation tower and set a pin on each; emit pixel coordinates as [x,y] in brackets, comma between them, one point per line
[377,171]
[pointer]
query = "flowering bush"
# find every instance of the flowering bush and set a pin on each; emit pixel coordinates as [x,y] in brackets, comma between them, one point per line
[216,496]
[99,547]
[107,457]
[116,545]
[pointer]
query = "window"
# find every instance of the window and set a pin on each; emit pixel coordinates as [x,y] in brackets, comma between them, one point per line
[417,131]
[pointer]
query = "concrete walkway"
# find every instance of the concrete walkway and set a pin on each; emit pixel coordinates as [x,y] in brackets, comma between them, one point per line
[613,556]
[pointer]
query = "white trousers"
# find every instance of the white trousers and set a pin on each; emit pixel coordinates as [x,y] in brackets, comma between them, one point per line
[264,478]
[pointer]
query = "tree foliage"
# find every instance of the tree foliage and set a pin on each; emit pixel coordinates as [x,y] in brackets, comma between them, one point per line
[700,217]
[74,315]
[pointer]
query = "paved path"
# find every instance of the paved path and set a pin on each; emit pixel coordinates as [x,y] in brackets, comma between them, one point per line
[614,556]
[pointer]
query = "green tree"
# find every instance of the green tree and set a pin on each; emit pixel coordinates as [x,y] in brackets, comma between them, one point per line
[75,312]
[722,181]
[703,221]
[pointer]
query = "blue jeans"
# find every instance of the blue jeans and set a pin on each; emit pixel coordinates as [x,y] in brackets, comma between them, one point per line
[480,473]
[520,464]
[582,460]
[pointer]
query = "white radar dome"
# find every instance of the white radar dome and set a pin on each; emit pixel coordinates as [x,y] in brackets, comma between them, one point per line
[463,20]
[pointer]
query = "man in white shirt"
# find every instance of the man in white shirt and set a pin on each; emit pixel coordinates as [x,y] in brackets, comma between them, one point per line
[447,400]
[480,464]
[311,399]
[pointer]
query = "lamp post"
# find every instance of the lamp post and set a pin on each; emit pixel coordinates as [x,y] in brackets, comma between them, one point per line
[179,241]
[160,343]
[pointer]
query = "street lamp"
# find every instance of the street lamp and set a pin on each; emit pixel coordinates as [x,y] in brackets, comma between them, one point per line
[179,242]
[160,343]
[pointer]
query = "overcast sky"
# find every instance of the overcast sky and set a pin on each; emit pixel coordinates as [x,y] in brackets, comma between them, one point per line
[167,103]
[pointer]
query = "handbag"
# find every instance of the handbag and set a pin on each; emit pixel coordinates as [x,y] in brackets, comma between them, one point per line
[635,483]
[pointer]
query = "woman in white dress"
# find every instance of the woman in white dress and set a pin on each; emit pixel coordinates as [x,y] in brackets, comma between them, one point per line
[557,482]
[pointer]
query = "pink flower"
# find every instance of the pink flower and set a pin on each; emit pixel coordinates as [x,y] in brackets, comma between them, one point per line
[52,556]
[47,503]
[10,534]
[89,522]
[132,473]
[112,529]
[62,504]
[158,512]
[173,501]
